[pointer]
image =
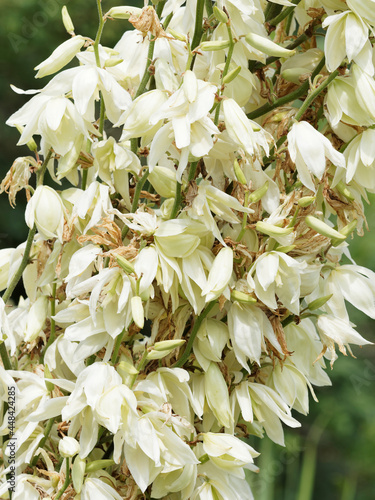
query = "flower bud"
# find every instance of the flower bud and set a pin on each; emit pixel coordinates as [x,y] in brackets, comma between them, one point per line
[217,395]
[161,349]
[78,473]
[214,45]
[349,228]
[268,47]
[137,311]
[229,77]
[123,12]
[220,15]
[113,61]
[272,230]
[306,201]
[319,302]
[99,464]
[125,264]
[345,191]
[46,211]
[163,180]
[322,228]
[239,174]
[177,35]
[67,20]
[68,447]
[258,194]
[245,298]
[47,374]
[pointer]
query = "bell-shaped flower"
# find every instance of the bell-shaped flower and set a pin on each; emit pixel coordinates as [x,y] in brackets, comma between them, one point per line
[308,149]
[360,159]
[276,273]
[304,342]
[46,211]
[114,162]
[352,283]
[189,125]
[347,36]
[267,406]
[180,480]
[249,328]
[229,453]
[68,447]
[98,398]
[217,395]
[60,57]
[55,118]
[136,119]
[220,275]
[210,341]
[333,331]
[246,133]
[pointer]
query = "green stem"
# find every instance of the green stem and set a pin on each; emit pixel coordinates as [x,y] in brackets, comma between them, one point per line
[198,30]
[192,170]
[140,366]
[5,357]
[271,11]
[66,482]
[84,178]
[102,117]
[117,347]
[177,201]
[23,265]
[314,94]
[40,173]
[147,73]
[53,323]
[244,219]
[296,94]
[209,8]
[276,20]
[47,430]
[185,356]
[137,194]
[226,68]
[99,32]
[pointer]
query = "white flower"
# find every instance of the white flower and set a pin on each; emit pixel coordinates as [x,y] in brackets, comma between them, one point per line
[220,275]
[46,211]
[60,57]
[360,159]
[337,331]
[189,125]
[347,35]
[68,447]
[243,131]
[276,273]
[308,149]
[94,489]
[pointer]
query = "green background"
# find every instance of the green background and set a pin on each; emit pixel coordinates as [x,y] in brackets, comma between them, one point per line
[332,456]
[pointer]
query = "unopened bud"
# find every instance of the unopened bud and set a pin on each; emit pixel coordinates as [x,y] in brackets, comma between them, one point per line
[239,174]
[286,249]
[78,473]
[125,264]
[268,47]
[137,311]
[123,12]
[68,447]
[161,349]
[324,229]
[220,15]
[128,368]
[345,191]
[67,20]
[99,464]
[231,75]
[47,374]
[215,45]
[295,75]
[245,298]
[318,303]
[256,195]
[349,228]
[272,230]
[177,35]
[113,61]
[306,201]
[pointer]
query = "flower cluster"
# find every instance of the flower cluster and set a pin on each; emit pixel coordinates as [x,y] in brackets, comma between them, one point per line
[184,292]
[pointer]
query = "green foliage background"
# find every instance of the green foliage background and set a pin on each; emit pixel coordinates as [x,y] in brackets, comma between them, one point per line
[333,455]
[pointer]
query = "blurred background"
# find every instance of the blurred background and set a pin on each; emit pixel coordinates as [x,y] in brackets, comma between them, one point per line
[332,456]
